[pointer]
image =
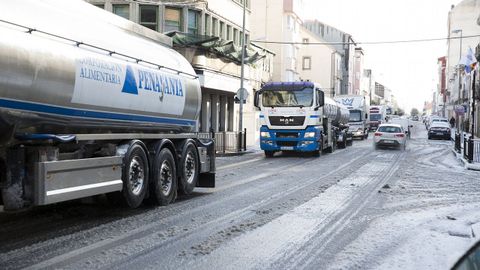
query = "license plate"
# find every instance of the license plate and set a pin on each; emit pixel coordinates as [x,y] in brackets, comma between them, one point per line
[286,148]
[388,141]
[438,133]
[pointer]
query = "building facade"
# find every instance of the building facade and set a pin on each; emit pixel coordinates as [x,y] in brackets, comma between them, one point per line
[320,63]
[345,46]
[279,21]
[462,23]
[357,71]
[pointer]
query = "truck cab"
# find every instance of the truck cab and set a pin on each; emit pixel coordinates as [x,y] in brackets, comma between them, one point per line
[377,116]
[357,106]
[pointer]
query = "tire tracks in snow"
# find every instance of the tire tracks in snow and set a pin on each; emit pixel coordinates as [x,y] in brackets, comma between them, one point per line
[144,232]
[309,228]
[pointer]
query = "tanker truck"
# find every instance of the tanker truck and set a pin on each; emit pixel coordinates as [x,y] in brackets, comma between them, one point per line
[296,116]
[357,105]
[91,104]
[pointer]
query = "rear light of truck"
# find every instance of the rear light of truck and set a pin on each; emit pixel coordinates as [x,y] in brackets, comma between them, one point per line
[400,135]
[378,134]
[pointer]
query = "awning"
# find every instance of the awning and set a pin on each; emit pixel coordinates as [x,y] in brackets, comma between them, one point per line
[221,47]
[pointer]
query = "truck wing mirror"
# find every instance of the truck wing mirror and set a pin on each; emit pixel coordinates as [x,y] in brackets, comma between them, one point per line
[256,99]
[320,99]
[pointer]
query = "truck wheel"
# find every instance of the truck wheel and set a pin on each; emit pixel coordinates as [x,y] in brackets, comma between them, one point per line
[163,183]
[269,154]
[135,175]
[188,169]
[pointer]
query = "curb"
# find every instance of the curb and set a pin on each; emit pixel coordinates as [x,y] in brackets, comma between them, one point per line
[466,164]
[232,154]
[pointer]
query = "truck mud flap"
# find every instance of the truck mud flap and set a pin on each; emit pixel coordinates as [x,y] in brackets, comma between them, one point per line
[206,180]
[207,159]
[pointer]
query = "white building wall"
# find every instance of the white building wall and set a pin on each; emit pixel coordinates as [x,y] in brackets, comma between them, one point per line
[279,20]
[323,67]
[461,17]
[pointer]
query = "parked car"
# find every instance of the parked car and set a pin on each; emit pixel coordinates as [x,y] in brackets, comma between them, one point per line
[390,135]
[436,119]
[439,129]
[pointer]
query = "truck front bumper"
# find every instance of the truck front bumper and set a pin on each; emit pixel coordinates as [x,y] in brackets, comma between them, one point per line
[289,140]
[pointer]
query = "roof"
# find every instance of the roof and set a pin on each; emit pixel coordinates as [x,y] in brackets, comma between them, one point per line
[390,125]
[295,86]
[439,124]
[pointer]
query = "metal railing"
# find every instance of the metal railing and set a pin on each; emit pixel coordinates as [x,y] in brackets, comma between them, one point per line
[227,141]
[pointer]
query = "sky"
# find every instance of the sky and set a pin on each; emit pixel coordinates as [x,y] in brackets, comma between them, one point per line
[410,70]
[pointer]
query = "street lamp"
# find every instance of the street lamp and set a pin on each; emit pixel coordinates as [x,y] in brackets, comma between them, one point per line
[242,68]
[456,31]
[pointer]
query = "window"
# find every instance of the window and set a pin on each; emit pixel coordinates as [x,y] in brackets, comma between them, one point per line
[222,30]
[173,19]
[207,25]
[240,40]
[214,27]
[193,17]
[229,32]
[149,16]
[305,40]
[235,36]
[240,2]
[307,63]
[122,11]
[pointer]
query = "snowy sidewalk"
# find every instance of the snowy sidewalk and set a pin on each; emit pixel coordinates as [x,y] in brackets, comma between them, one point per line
[466,164]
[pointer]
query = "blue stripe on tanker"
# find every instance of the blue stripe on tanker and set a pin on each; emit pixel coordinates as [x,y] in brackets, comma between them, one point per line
[43,108]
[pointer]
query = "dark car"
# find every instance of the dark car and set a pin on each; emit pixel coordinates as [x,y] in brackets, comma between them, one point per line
[439,130]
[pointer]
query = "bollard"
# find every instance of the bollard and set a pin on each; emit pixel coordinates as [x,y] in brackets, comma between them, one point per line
[470,150]
[457,142]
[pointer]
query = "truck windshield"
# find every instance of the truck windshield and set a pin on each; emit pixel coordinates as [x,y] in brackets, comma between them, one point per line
[375,116]
[288,98]
[355,116]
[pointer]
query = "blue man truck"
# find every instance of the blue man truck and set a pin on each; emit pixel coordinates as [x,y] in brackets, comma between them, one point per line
[297,116]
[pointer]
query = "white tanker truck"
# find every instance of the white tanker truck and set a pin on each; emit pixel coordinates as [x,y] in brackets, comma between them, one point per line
[91,103]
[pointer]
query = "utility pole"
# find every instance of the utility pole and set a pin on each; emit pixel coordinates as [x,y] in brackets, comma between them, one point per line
[473,103]
[242,72]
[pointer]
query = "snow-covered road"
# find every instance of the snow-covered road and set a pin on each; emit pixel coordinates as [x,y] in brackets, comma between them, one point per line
[354,209]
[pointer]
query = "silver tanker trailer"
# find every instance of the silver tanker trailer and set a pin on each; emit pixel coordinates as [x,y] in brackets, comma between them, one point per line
[91,103]
[341,127]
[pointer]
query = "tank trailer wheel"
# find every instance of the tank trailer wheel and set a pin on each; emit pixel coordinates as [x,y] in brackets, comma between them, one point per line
[189,169]
[135,175]
[163,188]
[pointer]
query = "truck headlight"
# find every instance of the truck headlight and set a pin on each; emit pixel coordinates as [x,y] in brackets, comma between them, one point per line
[265,134]
[309,135]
